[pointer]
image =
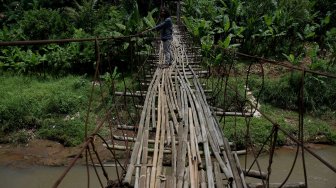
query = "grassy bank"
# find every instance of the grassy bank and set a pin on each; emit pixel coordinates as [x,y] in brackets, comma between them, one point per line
[47,108]
[316,130]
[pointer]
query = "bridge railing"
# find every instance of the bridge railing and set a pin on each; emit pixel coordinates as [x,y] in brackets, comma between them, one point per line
[227,70]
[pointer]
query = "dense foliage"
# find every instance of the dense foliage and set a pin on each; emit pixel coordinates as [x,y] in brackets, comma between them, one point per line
[291,31]
[43,20]
[40,93]
[301,32]
[267,28]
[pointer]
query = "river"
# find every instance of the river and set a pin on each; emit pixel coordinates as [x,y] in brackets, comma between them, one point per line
[319,176]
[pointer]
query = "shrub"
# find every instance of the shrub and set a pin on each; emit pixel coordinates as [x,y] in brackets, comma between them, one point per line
[18,111]
[62,103]
[26,102]
[67,132]
[319,92]
[44,24]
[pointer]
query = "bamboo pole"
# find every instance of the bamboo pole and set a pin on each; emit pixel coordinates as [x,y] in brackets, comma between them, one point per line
[240,171]
[183,141]
[156,145]
[255,174]
[180,166]
[276,185]
[236,175]
[137,170]
[166,151]
[205,145]
[173,91]
[162,138]
[132,139]
[191,168]
[153,113]
[219,180]
[173,155]
[203,179]
[186,178]
[143,170]
[137,150]
[167,101]
[148,172]
[192,136]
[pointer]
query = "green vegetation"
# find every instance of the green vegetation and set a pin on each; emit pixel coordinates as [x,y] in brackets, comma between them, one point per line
[38,20]
[51,108]
[47,106]
[299,32]
[42,93]
[276,29]
[315,129]
[283,92]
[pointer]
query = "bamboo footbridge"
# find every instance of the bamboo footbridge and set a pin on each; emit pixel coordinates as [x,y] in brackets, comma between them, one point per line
[186,134]
[176,139]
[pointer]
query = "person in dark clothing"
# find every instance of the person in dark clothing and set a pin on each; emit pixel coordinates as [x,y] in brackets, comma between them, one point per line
[166,34]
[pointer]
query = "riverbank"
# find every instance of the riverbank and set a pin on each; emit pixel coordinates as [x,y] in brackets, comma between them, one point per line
[43,153]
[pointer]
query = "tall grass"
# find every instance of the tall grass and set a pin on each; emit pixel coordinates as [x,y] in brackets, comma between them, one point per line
[260,128]
[37,104]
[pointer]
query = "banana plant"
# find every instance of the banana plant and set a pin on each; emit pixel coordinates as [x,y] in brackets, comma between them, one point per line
[149,20]
[19,60]
[113,26]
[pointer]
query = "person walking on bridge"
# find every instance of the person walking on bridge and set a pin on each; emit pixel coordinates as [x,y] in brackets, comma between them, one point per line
[166,34]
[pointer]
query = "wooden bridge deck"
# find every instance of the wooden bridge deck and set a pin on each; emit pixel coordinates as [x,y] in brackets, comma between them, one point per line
[187,148]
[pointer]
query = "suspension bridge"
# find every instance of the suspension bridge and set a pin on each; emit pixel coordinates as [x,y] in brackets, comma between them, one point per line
[186,132]
[178,140]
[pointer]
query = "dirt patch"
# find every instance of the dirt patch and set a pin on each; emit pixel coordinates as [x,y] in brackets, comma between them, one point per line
[45,152]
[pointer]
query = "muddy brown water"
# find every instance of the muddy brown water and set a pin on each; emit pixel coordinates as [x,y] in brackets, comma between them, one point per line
[319,176]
